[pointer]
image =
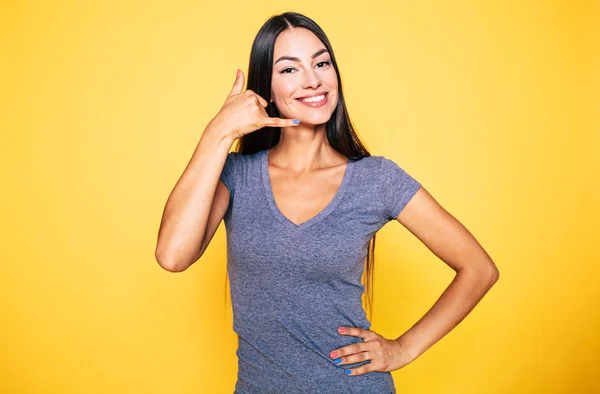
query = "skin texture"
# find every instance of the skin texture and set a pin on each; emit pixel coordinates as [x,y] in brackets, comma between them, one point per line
[294,79]
[303,150]
[305,171]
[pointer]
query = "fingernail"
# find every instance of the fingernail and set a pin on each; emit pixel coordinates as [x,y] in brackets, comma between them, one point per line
[337,360]
[348,372]
[333,354]
[296,121]
[340,330]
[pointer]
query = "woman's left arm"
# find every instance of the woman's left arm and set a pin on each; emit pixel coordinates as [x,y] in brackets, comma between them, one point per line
[449,240]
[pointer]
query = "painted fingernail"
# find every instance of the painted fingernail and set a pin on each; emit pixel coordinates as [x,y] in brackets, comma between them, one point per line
[348,372]
[337,360]
[333,354]
[296,121]
[340,330]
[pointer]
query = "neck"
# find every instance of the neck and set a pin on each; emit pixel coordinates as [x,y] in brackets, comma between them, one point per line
[304,148]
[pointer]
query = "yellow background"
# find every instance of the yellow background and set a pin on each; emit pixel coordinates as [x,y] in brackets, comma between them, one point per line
[493,106]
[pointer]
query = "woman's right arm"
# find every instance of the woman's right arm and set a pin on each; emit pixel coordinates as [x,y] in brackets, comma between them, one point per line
[190,217]
[188,209]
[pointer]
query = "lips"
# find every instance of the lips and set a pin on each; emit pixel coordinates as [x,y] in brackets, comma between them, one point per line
[312,95]
[315,104]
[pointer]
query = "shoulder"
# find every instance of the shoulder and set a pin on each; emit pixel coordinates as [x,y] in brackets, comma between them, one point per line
[382,171]
[367,172]
[245,157]
[376,165]
[234,156]
[369,162]
[244,168]
[242,160]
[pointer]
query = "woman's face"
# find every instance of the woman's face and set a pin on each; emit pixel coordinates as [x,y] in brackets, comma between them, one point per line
[304,76]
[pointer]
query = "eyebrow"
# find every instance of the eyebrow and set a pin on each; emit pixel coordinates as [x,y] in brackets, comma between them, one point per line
[295,59]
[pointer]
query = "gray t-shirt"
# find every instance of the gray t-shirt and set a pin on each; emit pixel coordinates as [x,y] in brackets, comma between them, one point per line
[293,285]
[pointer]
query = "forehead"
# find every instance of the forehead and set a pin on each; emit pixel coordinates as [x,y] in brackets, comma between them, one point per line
[298,42]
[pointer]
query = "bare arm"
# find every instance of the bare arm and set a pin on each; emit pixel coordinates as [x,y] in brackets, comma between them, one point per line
[181,237]
[199,200]
[449,240]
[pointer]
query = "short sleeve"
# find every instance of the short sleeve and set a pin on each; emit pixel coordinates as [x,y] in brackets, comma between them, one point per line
[397,187]
[228,174]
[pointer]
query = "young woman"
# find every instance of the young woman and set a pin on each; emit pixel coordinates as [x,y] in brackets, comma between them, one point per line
[302,199]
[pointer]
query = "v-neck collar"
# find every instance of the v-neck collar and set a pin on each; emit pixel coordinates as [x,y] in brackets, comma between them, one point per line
[324,212]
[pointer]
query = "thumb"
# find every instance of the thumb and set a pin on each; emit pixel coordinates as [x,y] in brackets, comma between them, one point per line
[238,85]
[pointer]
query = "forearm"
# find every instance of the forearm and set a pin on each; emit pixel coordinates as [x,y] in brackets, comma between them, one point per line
[467,288]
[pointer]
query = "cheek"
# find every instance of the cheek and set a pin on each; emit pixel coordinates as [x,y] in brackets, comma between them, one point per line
[333,82]
[283,91]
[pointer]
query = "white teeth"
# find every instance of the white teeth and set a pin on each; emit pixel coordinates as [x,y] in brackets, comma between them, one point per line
[314,99]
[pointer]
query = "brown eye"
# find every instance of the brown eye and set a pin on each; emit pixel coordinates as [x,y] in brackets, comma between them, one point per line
[288,70]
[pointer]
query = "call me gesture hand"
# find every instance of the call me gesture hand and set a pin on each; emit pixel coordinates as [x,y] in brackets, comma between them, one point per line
[385,355]
[244,112]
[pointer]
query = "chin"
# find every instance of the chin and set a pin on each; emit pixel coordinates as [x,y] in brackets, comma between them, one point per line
[315,119]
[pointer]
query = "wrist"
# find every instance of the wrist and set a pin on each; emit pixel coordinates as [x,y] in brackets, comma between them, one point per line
[407,349]
[220,132]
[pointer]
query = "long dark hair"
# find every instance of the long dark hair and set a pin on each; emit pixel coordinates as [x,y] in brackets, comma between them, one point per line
[340,131]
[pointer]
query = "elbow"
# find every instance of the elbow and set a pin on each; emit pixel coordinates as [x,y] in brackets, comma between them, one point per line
[494,275]
[168,262]
[486,274]
[489,272]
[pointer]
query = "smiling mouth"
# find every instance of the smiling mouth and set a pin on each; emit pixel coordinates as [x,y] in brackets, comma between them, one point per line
[313,99]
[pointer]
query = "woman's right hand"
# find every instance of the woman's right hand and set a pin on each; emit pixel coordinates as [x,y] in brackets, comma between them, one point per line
[244,112]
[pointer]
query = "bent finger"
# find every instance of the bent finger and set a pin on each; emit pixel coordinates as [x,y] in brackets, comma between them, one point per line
[263,102]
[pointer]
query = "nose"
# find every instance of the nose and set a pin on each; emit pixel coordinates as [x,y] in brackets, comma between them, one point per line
[311,79]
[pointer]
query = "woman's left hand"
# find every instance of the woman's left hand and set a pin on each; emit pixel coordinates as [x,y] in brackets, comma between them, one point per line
[384,354]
